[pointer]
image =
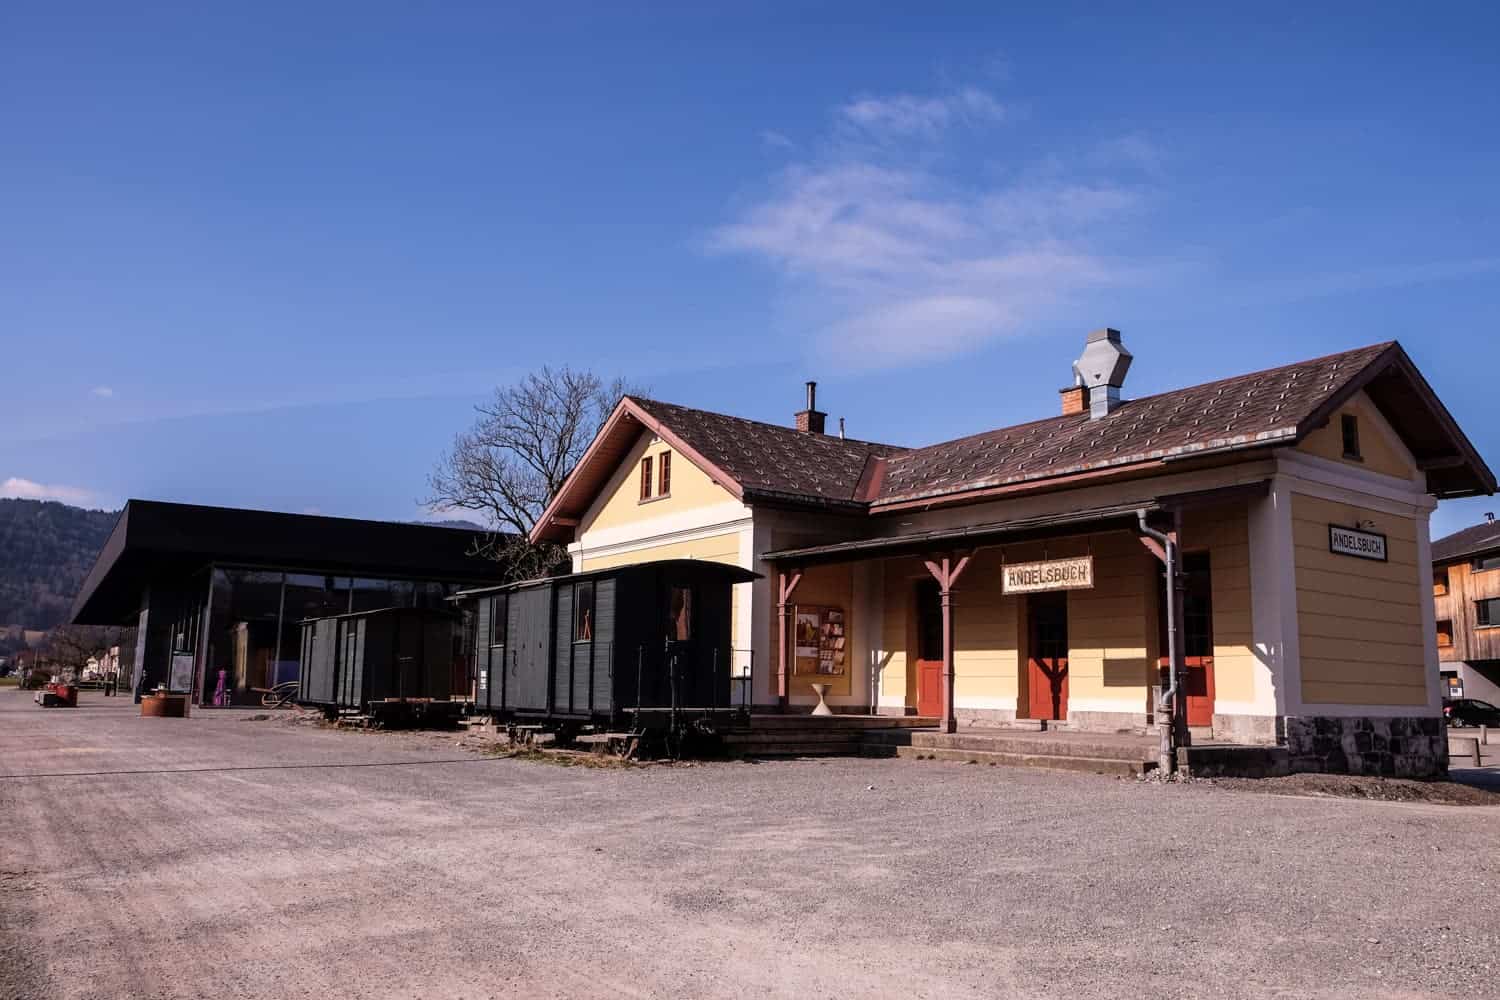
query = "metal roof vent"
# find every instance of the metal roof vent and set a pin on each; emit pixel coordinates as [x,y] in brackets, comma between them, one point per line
[1101,370]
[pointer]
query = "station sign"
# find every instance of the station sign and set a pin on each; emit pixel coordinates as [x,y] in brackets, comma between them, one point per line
[1359,544]
[1076,573]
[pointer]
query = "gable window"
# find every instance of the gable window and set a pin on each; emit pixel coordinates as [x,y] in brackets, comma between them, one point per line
[1486,562]
[664,482]
[583,613]
[1350,425]
[646,478]
[1487,613]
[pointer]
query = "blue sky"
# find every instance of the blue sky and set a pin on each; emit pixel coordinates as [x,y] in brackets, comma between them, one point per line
[272,255]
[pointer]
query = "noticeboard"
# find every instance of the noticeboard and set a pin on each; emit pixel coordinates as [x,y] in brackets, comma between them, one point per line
[821,640]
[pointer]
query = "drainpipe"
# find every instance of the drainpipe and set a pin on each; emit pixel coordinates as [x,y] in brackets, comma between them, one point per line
[1166,712]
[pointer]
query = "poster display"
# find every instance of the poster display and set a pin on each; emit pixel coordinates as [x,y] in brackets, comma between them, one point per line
[820,641]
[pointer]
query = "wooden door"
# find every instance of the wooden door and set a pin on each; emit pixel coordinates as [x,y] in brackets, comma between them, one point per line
[1197,639]
[1047,656]
[929,649]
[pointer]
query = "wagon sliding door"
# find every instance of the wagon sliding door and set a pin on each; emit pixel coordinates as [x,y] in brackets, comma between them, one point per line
[526,674]
[489,651]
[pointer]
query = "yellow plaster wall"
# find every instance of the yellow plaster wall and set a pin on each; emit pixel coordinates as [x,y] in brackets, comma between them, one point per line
[1359,622]
[1378,452]
[1225,533]
[619,503]
[986,656]
[723,548]
[1112,628]
[897,679]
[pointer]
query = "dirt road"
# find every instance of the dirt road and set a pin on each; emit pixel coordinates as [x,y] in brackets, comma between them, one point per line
[223,857]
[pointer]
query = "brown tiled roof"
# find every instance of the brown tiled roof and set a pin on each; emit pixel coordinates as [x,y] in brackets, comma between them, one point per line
[769,461]
[1245,411]
[1478,539]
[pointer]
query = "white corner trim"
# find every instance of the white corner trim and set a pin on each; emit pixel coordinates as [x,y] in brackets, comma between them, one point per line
[1334,481]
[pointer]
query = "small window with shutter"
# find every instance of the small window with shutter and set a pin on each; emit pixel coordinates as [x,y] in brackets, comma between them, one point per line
[646,478]
[664,482]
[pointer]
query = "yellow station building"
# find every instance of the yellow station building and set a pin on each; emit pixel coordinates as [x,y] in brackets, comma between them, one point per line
[1019,573]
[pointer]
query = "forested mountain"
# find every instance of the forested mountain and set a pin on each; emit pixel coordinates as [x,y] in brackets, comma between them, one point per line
[46,549]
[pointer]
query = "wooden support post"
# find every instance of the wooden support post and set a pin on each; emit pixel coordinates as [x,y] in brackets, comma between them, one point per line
[947,571]
[786,586]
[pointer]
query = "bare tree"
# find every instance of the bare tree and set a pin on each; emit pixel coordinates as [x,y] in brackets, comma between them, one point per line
[509,465]
[70,647]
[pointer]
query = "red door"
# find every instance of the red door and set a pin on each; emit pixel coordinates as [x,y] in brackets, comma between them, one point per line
[929,649]
[1197,640]
[1047,656]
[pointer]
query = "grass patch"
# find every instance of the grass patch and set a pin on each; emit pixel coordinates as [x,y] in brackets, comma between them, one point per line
[558,758]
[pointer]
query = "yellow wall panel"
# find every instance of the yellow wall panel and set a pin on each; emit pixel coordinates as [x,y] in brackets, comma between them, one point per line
[1377,453]
[1359,621]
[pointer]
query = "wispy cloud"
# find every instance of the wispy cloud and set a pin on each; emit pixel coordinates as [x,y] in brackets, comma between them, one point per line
[900,115]
[896,253]
[27,489]
[102,391]
[776,140]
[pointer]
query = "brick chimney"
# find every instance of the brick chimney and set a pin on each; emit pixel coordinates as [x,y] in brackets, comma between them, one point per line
[810,420]
[1075,399]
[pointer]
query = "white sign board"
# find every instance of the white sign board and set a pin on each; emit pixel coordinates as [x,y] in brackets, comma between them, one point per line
[1360,544]
[1049,574]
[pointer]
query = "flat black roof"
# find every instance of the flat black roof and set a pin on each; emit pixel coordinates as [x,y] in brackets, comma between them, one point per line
[155,541]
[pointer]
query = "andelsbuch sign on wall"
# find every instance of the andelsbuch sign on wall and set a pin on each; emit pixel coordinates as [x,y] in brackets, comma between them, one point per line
[1360,544]
[1076,573]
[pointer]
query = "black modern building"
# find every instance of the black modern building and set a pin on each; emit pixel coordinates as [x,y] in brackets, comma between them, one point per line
[216,594]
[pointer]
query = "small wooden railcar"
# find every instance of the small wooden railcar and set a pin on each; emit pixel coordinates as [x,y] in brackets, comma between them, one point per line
[395,661]
[648,641]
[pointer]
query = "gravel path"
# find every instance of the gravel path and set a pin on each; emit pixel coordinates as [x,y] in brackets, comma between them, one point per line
[244,858]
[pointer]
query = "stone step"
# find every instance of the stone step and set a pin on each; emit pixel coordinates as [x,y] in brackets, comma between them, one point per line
[762,722]
[1039,745]
[1088,765]
[794,748]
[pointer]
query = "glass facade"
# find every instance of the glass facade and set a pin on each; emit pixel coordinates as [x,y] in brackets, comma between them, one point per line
[253,636]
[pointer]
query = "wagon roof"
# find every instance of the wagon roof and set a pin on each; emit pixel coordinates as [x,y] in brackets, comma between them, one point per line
[734,574]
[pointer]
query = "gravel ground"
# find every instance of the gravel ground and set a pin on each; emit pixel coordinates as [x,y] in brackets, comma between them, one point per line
[225,857]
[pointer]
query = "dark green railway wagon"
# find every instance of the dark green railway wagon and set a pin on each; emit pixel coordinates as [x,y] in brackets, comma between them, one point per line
[351,661]
[648,637]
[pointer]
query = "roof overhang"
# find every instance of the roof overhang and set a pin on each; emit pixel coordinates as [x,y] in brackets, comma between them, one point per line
[604,454]
[1408,403]
[154,541]
[1116,517]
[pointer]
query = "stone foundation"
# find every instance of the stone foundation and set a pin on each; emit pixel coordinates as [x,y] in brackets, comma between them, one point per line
[1256,730]
[1107,722]
[1397,747]
[984,716]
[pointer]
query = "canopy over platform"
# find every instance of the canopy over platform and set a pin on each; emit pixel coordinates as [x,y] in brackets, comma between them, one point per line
[155,541]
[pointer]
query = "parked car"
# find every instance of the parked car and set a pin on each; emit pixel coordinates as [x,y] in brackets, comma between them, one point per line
[1471,712]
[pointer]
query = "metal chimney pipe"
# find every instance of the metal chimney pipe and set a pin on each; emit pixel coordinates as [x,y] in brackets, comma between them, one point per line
[812,395]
